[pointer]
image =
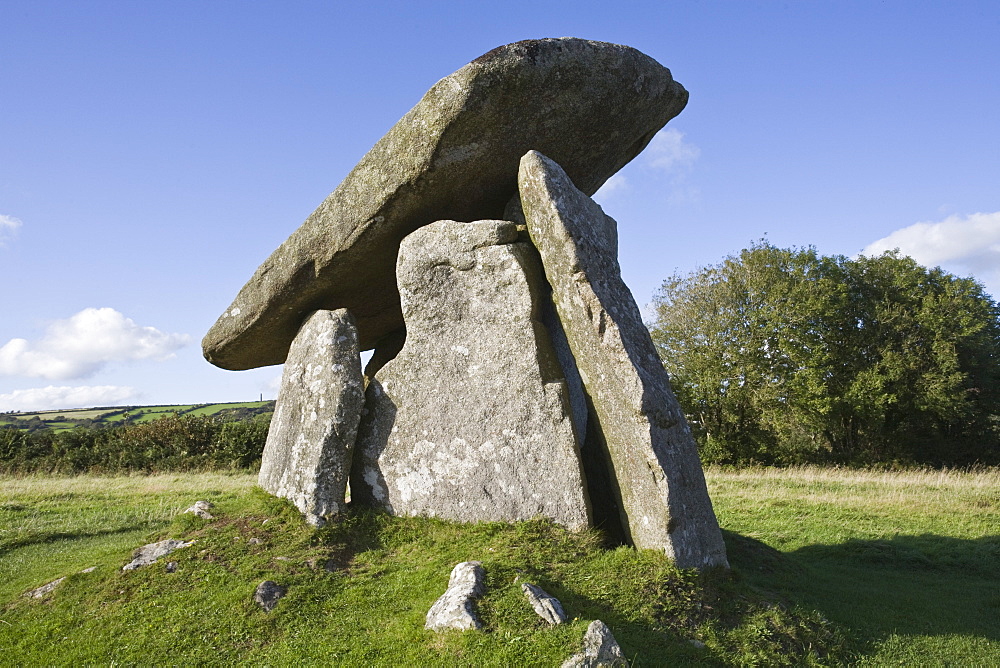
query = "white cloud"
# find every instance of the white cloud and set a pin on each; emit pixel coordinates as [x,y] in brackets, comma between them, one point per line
[615,185]
[272,386]
[962,244]
[8,228]
[673,156]
[669,151]
[971,240]
[52,397]
[79,346]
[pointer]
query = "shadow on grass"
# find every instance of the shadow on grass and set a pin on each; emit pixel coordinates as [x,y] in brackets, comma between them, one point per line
[921,585]
[643,643]
[60,536]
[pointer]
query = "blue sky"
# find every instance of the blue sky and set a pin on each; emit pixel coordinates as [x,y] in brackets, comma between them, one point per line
[153,154]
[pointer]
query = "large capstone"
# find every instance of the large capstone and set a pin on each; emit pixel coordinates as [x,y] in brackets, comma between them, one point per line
[307,457]
[592,106]
[650,449]
[471,421]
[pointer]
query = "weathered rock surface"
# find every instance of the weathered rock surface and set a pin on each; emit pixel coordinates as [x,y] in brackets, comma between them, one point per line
[267,594]
[200,509]
[456,608]
[549,317]
[544,604]
[307,457]
[471,420]
[151,553]
[592,106]
[40,592]
[652,453]
[599,649]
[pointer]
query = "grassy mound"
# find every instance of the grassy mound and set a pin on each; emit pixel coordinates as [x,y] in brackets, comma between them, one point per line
[358,591]
[902,563]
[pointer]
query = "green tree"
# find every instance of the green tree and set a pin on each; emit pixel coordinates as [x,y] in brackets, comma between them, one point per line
[784,355]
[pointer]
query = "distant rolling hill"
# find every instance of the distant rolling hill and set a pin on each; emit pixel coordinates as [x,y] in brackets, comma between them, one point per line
[62,420]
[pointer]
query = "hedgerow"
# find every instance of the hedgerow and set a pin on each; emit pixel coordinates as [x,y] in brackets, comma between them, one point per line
[175,443]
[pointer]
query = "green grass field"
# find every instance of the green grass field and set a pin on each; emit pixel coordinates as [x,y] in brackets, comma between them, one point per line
[907,562]
[64,420]
[829,567]
[77,414]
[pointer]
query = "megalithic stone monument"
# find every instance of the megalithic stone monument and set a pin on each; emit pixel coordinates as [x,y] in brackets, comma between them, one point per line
[650,447]
[592,106]
[513,376]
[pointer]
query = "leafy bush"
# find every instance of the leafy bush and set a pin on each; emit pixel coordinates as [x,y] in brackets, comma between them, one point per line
[784,356]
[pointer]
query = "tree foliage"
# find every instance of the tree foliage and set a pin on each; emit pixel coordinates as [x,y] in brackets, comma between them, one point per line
[784,355]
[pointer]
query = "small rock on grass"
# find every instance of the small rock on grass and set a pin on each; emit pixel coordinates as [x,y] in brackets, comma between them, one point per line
[267,594]
[599,649]
[547,606]
[44,589]
[148,554]
[200,509]
[456,609]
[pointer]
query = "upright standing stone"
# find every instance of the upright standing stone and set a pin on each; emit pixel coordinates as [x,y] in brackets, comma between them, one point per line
[652,453]
[471,421]
[590,105]
[307,457]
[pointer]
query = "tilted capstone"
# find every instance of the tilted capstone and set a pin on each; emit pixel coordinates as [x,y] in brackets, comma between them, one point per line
[471,421]
[592,106]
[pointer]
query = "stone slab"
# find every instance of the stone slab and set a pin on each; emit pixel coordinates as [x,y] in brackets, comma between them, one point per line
[307,456]
[653,456]
[471,421]
[153,552]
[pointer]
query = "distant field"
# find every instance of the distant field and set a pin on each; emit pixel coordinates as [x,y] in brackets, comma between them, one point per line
[63,420]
